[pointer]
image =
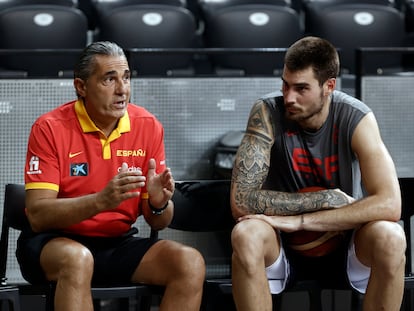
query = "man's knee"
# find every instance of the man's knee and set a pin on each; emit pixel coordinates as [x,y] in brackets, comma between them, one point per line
[252,242]
[70,260]
[381,242]
[192,262]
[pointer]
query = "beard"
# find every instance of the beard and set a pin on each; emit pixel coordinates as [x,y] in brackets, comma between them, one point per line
[313,110]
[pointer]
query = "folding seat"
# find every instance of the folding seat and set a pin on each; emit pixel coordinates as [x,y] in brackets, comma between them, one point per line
[152,26]
[41,40]
[4,4]
[211,5]
[351,25]
[102,8]
[250,25]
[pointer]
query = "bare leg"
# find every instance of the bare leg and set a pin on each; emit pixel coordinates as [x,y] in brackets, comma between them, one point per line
[70,264]
[381,246]
[255,246]
[180,268]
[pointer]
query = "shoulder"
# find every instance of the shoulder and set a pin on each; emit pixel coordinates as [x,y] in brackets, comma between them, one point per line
[347,101]
[138,111]
[63,112]
[268,101]
[272,98]
[141,114]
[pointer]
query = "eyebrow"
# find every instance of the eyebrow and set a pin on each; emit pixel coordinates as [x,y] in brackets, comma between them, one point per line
[300,84]
[113,72]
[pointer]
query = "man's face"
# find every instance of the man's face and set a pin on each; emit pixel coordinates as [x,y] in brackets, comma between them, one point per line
[107,91]
[306,102]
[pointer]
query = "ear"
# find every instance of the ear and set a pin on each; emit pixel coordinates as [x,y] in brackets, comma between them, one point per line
[80,86]
[329,86]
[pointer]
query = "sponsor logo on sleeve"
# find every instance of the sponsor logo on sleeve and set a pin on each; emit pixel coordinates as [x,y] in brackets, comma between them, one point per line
[34,165]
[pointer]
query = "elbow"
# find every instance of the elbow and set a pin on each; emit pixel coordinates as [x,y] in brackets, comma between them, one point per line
[236,211]
[394,208]
[34,223]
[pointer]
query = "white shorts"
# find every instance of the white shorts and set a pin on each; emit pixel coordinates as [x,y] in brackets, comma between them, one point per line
[278,273]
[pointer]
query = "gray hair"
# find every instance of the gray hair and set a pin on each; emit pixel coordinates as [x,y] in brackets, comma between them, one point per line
[85,66]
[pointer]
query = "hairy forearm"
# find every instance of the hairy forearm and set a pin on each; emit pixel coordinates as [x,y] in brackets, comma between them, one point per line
[58,213]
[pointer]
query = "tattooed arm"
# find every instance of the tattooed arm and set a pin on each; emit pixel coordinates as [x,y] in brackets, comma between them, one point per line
[250,171]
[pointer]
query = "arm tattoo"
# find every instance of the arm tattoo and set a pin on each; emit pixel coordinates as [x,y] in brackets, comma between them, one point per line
[251,168]
[284,203]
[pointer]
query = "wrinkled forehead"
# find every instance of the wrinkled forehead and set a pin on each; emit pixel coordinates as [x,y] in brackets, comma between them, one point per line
[111,63]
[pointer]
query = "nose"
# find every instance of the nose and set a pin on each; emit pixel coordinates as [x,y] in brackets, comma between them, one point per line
[288,95]
[122,87]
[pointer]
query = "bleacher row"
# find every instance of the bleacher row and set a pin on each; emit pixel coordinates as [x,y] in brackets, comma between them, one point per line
[42,38]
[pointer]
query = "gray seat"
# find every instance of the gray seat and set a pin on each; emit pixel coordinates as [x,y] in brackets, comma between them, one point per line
[152,26]
[43,40]
[354,25]
[251,27]
[5,4]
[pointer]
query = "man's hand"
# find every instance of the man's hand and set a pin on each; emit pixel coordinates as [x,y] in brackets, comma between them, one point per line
[337,198]
[121,187]
[282,223]
[160,187]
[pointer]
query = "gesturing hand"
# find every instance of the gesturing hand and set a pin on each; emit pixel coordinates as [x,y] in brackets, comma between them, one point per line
[121,187]
[160,187]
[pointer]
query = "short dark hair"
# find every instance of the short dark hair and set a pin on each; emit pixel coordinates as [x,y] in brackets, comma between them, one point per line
[85,66]
[313,52]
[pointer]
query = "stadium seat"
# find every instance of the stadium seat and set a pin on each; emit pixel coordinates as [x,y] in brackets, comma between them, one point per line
[4,4]
[250,26]
[59,32]
[102,8]
[106,6]
[211,5]
[324,2]
[152,26]
[353,25]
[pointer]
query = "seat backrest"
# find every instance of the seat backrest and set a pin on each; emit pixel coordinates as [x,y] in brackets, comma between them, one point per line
[212,5]
[202,212]
[15,206]
[252,26]
[354,25]
[50,27]
[104,7]
[14,216]
[4,4]
[151,26]
[202,205]
[335,2]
